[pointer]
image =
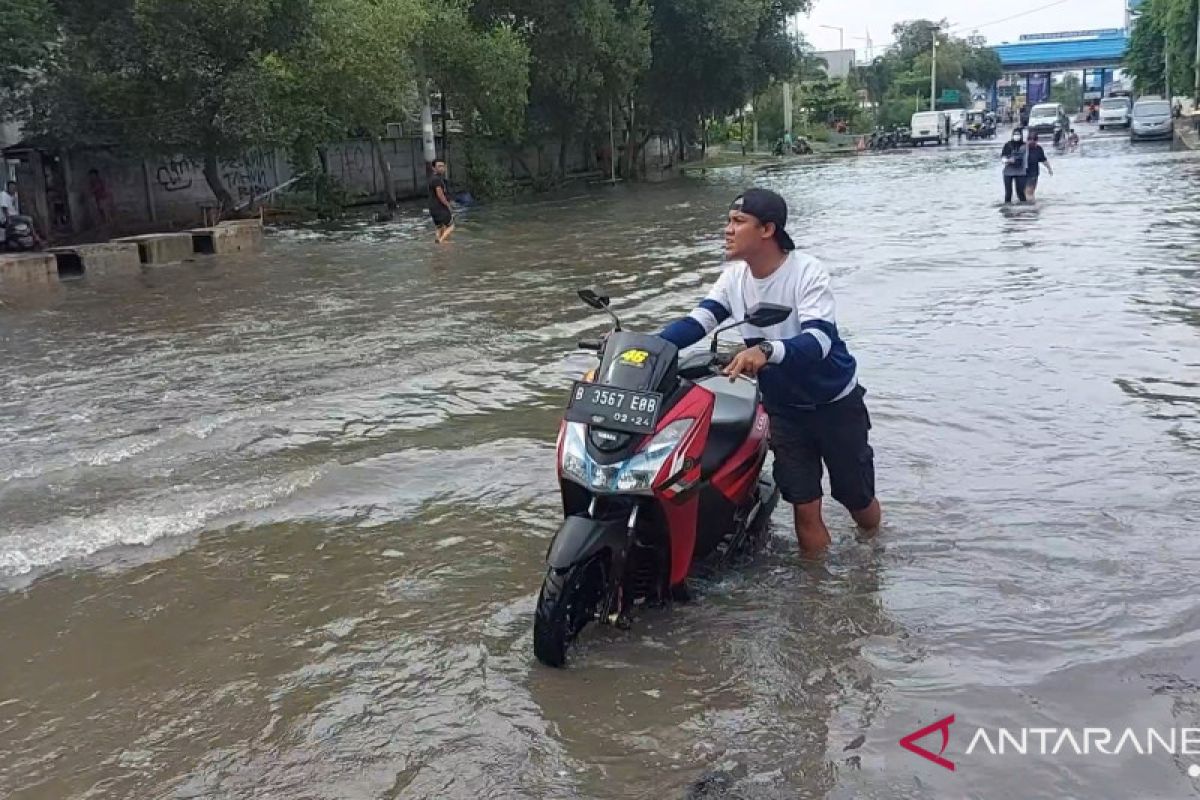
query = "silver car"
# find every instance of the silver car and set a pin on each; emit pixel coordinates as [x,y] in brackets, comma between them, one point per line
[1151,120]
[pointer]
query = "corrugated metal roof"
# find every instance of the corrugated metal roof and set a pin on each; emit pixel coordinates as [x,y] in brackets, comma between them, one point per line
[1063,51]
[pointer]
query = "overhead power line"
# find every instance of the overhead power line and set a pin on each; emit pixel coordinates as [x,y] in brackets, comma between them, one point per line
[978,26]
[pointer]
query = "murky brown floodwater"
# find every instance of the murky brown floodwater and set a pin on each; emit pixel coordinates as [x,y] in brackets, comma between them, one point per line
[273,526]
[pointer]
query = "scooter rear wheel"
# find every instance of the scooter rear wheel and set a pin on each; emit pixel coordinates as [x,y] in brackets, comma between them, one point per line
[568,601]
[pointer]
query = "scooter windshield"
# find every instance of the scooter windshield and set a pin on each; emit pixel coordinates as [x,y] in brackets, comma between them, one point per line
[638,361]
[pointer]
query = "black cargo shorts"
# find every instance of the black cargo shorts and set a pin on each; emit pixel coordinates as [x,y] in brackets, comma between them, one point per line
[836,434]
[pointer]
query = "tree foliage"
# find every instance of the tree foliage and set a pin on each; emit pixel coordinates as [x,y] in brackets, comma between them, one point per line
[212,79]
[899,80]
[26,41]
[1165,27]
[1069,92]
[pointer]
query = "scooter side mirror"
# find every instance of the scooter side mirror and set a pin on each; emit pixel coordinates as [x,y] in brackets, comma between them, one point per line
[764,315]
[594,299]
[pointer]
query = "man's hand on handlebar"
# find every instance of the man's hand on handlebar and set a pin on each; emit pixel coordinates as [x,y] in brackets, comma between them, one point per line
[747,362]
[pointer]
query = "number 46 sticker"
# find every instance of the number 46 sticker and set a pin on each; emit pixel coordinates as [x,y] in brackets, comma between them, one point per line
[634,358]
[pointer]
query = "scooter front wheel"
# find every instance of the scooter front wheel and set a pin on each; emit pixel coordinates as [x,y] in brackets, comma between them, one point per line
[569,599]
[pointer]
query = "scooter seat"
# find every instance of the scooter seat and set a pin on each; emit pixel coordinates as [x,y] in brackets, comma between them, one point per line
[733,416]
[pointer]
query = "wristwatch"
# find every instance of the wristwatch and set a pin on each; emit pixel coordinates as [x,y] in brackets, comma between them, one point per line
[767,348]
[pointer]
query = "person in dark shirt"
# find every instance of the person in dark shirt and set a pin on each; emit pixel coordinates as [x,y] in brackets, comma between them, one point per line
[439,202]
[1036,157]
[1015,167]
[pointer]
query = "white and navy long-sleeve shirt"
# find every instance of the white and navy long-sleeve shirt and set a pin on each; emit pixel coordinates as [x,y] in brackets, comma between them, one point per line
[810,365]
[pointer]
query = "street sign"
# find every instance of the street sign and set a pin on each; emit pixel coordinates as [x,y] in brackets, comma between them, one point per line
[949,96]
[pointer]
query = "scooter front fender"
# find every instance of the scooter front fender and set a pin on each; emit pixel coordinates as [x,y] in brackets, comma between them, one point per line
[579,538]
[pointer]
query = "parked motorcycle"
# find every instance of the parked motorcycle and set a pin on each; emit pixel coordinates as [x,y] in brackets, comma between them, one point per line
[799,147]
[660,467]
[18,234]
[882,139]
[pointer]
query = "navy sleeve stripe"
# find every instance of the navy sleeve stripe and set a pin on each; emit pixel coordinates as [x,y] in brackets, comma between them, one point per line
[825,326]
[683,332]
[719,312]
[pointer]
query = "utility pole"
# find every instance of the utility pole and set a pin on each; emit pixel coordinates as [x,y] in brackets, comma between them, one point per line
[933,75]
[787,107]
[870,49]
[787,92]
[754,111]
[428,140]
[1167,65]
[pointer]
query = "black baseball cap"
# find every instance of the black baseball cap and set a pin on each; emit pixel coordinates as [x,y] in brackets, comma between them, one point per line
[766,206]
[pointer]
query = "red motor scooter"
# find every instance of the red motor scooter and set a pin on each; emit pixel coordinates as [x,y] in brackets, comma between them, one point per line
[660,466]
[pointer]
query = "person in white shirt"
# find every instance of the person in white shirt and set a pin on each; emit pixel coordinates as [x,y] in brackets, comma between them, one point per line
[9,207]
[808,379]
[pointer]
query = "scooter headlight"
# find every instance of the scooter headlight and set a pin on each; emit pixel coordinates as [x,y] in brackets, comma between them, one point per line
[635,474]
[638,472]
[575,458]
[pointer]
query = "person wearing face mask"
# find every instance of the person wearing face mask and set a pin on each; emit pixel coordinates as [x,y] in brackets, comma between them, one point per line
[1015,156]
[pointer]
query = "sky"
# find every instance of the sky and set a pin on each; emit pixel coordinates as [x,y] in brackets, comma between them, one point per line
[858,17]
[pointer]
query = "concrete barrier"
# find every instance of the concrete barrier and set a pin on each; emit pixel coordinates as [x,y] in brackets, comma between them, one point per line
[234,236]
[161,248]
[27,271]
[97,259]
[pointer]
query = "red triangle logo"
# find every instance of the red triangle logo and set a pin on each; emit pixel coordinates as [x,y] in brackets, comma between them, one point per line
[909,742]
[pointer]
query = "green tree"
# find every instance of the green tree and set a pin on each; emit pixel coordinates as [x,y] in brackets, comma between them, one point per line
[1179,26]
[27,37]
[980,63]
[708,58]
[1069,92]
[584,54]
[353,73]
[484,71]
[1145,57]
[166,76]
[1164,27]
[368,62]
[898,80]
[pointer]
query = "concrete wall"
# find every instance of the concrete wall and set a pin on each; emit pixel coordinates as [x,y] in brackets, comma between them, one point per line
[169,191]
[172,192]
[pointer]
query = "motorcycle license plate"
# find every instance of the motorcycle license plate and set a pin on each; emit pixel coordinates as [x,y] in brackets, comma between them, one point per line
[614,409]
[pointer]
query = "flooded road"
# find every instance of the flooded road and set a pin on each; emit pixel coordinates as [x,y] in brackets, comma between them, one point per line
[274,526]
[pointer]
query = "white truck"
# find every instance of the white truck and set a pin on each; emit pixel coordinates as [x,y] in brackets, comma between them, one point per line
[928,126]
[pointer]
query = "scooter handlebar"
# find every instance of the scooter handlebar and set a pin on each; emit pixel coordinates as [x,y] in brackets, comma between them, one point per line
[590,344]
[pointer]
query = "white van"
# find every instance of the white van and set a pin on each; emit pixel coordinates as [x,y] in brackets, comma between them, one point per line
[1115,112]
[928,126]
[1044,116]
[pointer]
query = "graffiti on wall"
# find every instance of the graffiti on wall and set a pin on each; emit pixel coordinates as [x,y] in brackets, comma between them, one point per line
[248,176]
[177,174]
[245,177]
